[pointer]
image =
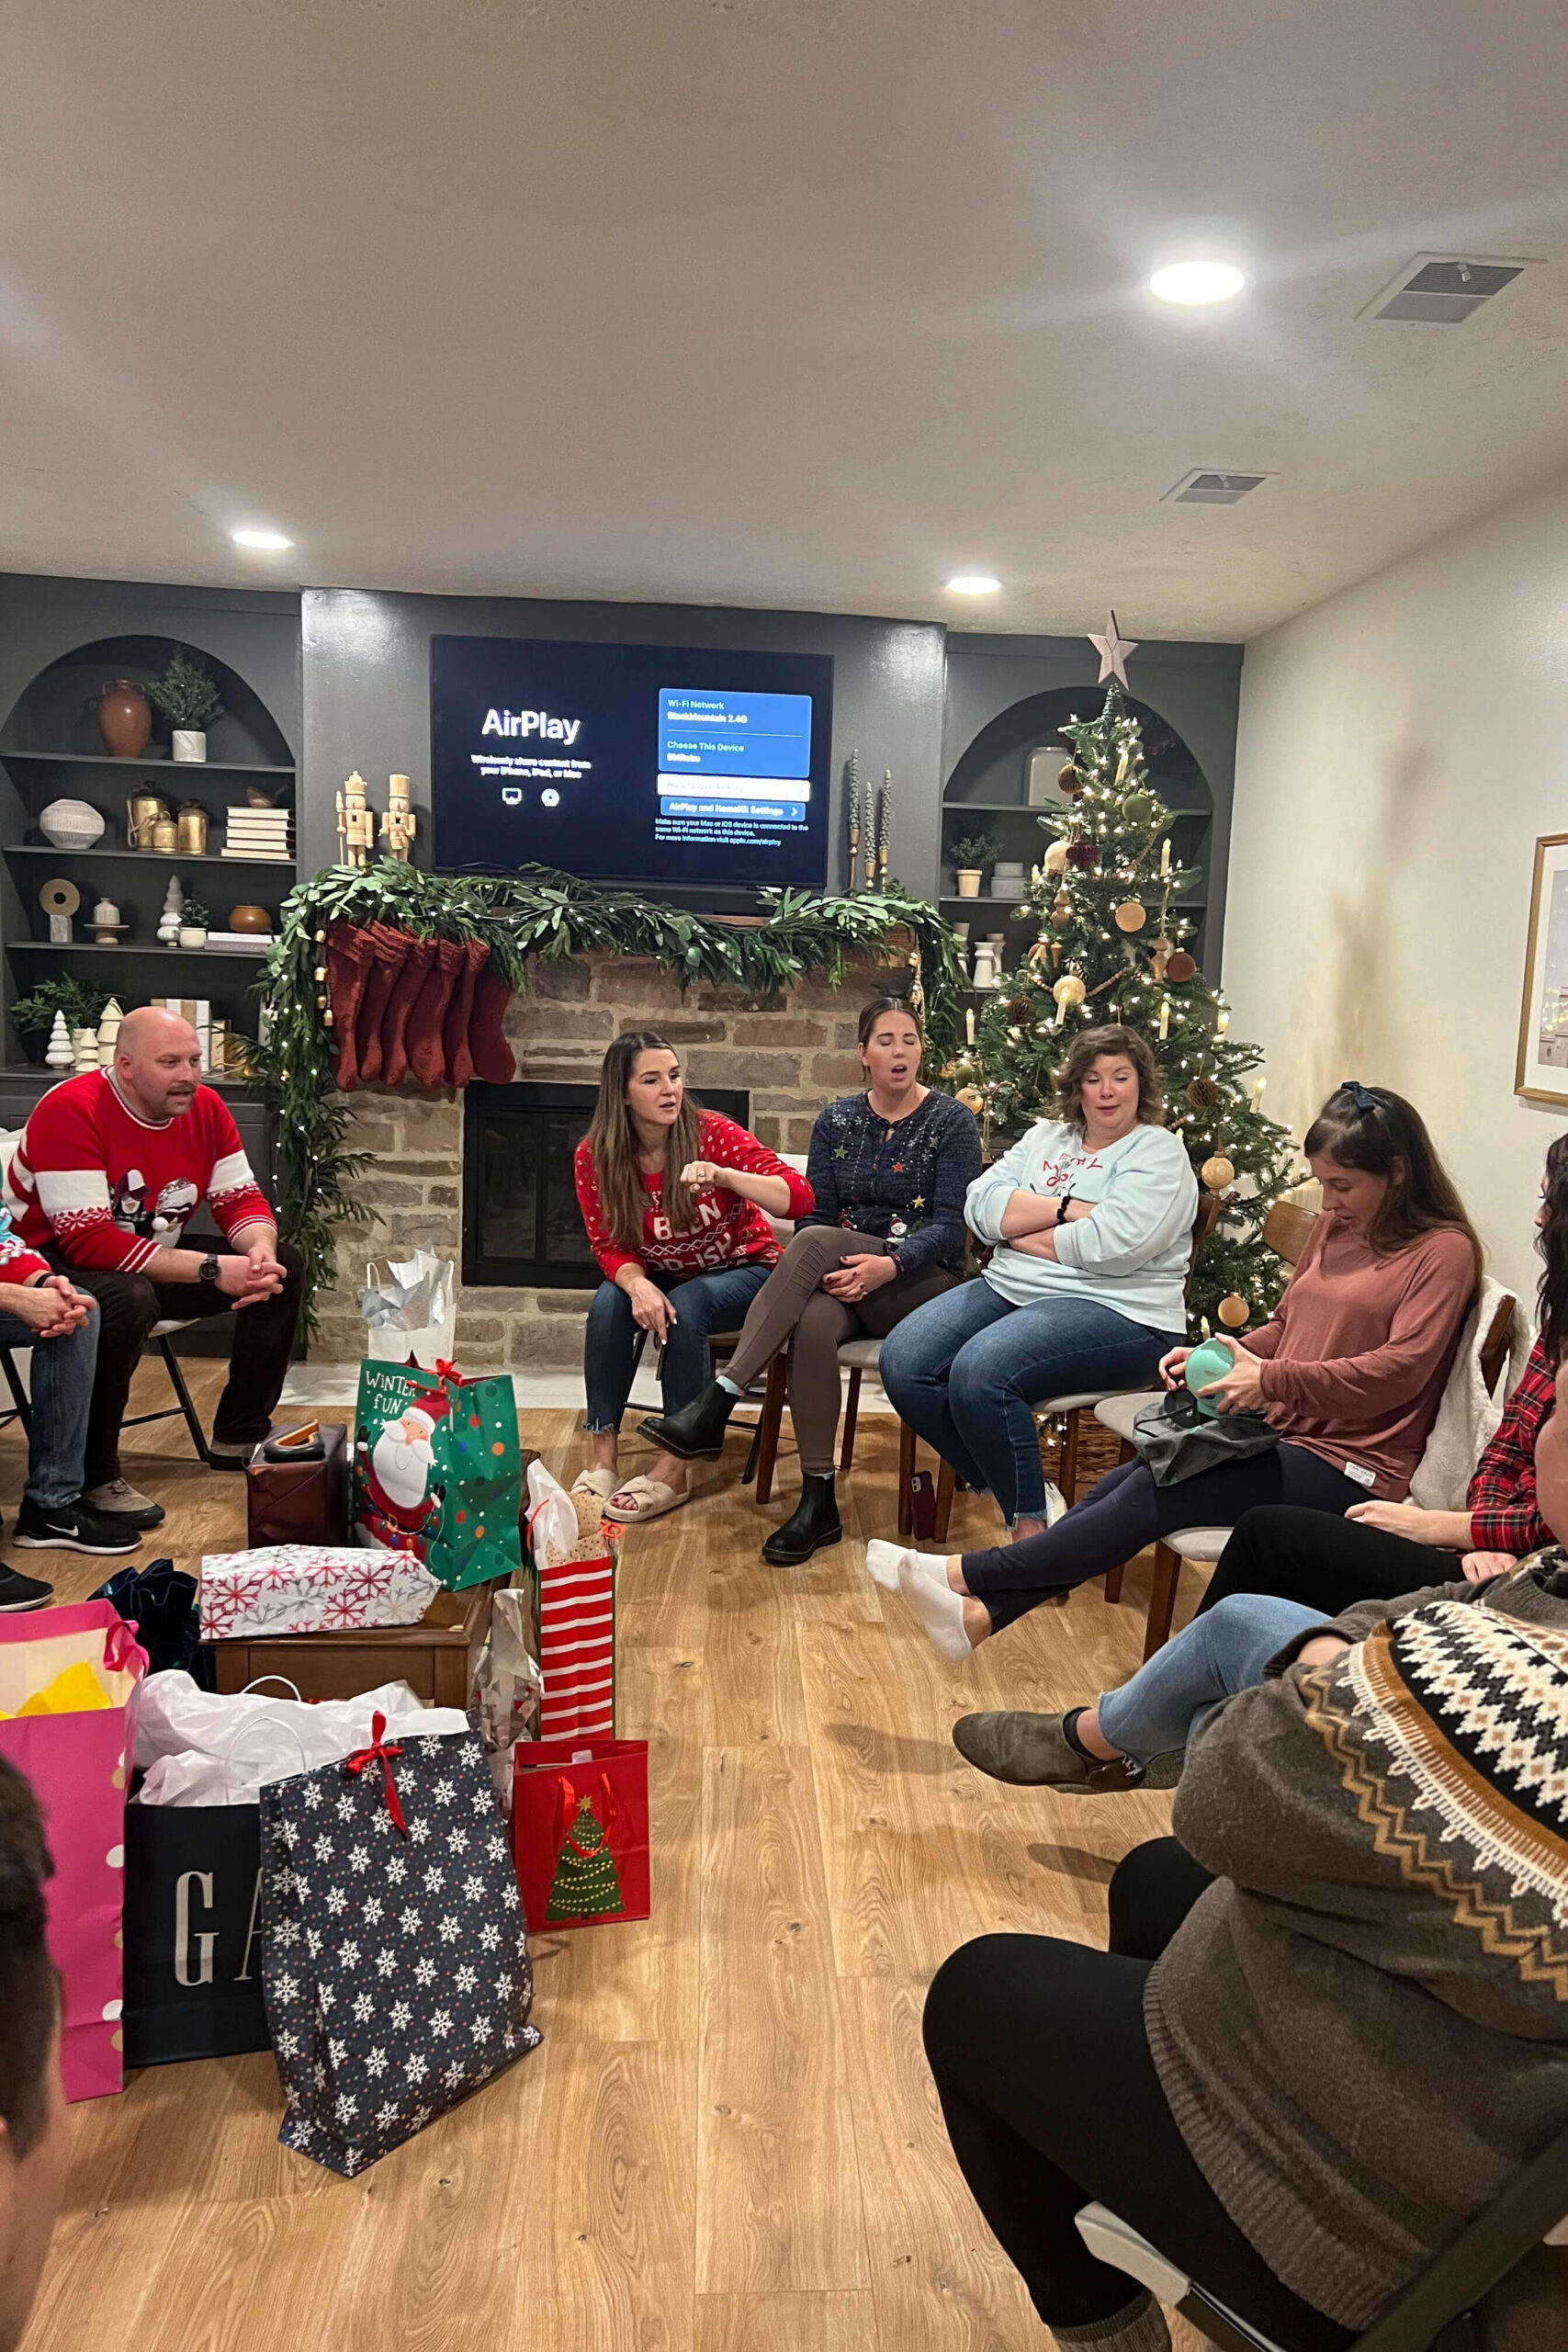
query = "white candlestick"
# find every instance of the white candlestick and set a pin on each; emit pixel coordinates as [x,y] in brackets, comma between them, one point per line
[970,1023]
[1165,857]
[1258,1086]
[1164,1019]
[1222,1024]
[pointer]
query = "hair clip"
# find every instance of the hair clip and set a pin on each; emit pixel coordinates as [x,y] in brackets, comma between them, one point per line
[1362,1096]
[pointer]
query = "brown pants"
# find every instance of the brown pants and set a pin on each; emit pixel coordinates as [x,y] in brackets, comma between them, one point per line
[793,1301]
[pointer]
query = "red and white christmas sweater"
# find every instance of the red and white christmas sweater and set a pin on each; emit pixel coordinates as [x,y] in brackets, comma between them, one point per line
[108,1189]
[730,1231]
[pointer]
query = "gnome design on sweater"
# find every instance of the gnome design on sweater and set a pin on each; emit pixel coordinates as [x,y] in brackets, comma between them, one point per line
[401,1501]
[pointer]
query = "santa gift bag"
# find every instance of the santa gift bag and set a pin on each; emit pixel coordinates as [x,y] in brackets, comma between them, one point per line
[579,1831]
[438,1471]
[69,1685]
[394,1957]
[572,1553]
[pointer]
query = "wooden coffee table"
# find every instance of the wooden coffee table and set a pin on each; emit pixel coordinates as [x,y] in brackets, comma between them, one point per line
[432,1657]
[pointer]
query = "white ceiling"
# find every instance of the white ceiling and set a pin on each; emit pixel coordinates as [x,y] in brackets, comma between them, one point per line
[789,302]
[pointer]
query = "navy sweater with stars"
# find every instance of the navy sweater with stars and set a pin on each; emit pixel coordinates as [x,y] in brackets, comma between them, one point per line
[905,1183]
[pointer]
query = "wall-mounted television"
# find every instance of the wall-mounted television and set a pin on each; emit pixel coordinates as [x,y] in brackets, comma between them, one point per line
[657,766]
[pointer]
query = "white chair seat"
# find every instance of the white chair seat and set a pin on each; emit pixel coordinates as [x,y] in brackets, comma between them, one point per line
[1078,1402]
[1119,1413]
[1200,1542]
[860,1355]
[174,1323]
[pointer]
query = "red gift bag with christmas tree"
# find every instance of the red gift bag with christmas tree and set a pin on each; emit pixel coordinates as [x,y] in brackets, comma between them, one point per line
[579,1831]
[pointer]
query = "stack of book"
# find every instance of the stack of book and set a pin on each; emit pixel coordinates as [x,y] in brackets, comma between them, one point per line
[240,942]
[259,835]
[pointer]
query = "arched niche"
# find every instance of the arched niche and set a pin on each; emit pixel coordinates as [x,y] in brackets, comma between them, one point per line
[989,788]
[56,712]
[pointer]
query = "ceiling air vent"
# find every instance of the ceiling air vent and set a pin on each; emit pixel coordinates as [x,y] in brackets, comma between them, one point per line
[1442,292]
[1204,487]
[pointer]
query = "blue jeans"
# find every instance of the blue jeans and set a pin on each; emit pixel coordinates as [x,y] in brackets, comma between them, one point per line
[1215,1655]
[704,1303]
[60,1379]
[966,1370]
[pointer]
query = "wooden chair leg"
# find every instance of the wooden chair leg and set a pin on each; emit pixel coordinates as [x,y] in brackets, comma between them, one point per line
[905,1473]
[946,1487]
[770,1424]
[1071,1458]
[852,1411]
[1162,1599]
[1113,1585]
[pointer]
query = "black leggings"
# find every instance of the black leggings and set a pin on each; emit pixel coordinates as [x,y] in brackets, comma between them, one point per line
[1051,2099]
[1322,1562]
[1127,1510]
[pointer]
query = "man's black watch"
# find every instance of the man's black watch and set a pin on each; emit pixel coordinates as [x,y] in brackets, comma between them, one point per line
[209,1272]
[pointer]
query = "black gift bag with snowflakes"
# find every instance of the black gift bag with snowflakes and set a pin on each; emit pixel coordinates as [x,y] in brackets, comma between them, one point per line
[394,1957]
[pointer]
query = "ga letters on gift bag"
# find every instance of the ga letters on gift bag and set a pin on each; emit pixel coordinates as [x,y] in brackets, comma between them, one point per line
[394,1956]
[579,1831]
[438,1471]
[193,1981]
[69,1684]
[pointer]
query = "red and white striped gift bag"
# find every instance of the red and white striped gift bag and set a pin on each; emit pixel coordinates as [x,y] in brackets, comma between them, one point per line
[573,1557]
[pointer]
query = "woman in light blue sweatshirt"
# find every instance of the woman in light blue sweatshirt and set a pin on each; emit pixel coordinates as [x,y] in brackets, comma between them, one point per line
[1089,1219]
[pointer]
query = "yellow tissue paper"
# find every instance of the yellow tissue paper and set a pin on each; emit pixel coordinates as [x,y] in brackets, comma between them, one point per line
[76,1692]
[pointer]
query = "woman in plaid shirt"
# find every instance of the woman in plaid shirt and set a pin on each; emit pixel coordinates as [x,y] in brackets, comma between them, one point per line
[1381,1550]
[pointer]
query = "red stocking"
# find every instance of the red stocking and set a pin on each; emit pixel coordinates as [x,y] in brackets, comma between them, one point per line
[459,1061]
[387,949]
[348,958]
[493,1058]
[413,973]
[424,1042]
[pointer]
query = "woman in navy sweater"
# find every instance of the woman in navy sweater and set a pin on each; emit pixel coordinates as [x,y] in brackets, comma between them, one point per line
[889,1169]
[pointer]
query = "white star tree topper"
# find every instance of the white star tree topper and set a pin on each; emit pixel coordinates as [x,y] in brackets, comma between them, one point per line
[1114,650]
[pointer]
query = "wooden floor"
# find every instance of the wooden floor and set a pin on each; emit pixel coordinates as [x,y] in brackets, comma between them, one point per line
[727,2140]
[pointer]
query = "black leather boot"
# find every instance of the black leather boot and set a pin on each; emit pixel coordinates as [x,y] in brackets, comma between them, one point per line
[813,1523]
[697,1433]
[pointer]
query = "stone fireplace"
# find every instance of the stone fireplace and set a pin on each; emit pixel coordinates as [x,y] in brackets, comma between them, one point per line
[788,1057]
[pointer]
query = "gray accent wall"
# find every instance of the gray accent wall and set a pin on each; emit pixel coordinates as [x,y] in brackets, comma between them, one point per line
[367,660]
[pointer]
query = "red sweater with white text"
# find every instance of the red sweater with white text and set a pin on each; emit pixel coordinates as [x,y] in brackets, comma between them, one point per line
[730,1231]
[108,1189]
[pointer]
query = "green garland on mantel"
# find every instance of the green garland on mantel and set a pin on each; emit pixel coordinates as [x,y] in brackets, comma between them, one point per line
[537,913]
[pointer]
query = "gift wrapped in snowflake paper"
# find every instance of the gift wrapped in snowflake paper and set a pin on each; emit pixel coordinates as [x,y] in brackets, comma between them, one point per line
[311,1589]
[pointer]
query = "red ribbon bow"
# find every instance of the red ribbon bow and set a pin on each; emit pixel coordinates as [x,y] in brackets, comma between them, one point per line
[378,1749]
[444,1371]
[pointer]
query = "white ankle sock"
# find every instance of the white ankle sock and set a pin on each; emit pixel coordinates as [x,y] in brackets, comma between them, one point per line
[923,1583]
[883,1561]
[730,1388]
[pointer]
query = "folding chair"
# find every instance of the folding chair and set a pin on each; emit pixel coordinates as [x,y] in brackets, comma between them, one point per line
[1436,2312]
[157,1344]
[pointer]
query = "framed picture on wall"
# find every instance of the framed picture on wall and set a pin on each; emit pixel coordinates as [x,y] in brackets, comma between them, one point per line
[1540,1074]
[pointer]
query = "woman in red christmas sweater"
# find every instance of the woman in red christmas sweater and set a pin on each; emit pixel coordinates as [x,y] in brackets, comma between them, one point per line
[673,1198]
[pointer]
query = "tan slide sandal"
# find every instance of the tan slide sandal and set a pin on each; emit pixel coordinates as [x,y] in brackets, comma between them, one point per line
[602,1483]
[644,1499]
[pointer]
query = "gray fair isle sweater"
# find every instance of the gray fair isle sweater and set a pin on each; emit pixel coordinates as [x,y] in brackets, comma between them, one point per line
[1362,2027]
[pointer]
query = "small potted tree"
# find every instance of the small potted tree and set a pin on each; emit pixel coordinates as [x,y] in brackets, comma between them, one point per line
[971,853]
[188,696]
[194,920]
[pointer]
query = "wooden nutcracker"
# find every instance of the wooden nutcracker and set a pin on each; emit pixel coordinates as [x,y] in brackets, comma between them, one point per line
[400,824]
[356,822]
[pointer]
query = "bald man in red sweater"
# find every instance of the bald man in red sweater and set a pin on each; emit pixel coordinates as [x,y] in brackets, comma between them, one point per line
[107,1174]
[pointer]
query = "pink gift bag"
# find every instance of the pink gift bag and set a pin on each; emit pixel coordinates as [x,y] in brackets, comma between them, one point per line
[77,1756]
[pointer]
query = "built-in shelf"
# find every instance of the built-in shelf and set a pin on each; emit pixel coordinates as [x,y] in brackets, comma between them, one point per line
[90,947]
[146,759]
[146,856]
[41,1071]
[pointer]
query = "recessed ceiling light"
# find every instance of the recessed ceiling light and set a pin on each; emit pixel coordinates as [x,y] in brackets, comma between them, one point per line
[973,584]
[269,541]
[1197,281]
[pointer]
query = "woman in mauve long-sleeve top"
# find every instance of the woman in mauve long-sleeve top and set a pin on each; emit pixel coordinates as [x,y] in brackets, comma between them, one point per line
[1349,1370]
[889,1169]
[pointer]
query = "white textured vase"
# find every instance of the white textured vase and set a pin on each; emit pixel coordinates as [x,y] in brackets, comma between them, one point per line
[190,745]
[71,824]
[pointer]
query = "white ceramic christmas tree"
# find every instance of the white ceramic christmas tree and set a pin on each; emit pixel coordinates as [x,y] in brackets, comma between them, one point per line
[169,921]
[108,1033]
[58,1054]
[84,1049]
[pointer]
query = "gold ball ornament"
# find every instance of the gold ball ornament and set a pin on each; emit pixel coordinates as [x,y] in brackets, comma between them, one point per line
[1131,915]
[1070,990]
[1233,1312]
[1056,857]
[1218,1173]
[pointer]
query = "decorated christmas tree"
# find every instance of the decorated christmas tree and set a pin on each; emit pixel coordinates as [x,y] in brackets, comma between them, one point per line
[1113,946]
[585,1884]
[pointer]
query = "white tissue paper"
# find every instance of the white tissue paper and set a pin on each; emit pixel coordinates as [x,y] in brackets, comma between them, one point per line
[206,1748]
